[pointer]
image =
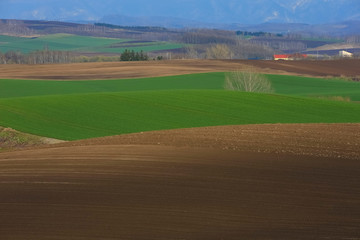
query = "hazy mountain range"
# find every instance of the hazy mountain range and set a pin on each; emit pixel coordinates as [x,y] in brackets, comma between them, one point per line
[190,12]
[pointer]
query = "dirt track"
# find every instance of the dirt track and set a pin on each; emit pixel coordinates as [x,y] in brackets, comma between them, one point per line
[165,186]
[165,68]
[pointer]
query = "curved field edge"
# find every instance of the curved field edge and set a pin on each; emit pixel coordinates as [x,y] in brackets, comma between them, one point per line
[282,84]
[84,116]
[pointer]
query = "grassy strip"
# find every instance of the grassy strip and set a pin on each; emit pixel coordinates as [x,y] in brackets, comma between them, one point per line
[24,88]
[71,117]
[288,85]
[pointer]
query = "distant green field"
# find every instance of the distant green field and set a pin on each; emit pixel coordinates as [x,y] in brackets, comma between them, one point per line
[329,40]
[288,85]
[68,42]
[64,42]
[82,116]
[4,39]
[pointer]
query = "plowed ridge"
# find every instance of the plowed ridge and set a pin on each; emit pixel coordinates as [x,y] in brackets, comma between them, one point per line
[162,187]
[320,140]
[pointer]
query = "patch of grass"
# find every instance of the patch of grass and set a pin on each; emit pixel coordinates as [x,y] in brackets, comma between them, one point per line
[336,98]
[71,117]
[12,139]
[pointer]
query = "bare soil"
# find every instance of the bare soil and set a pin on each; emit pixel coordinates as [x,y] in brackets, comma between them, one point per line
[319,140]
[118,70]
[345,67]
[207,183]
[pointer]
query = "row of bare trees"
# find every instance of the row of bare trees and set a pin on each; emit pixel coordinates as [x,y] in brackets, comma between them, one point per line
[15,27]
[37,57]
[208,36]
[353,39]
[241,49]
[51,57]
[221,44]
[281,44]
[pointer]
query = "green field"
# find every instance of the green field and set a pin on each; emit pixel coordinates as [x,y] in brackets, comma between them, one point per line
[72,110]
[315,87]
[329,40]
[102,114]
[288,85]
[4,39]
[68,42]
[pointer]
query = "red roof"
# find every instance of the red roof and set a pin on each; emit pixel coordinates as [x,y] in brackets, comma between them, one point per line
[281,56]
[295,55]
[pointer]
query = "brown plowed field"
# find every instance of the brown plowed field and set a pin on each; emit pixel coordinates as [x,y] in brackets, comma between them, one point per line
[205,183]
[80,71]
[314,68]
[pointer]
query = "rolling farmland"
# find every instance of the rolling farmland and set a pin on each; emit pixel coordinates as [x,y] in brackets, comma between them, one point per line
[284,166]
[160,141]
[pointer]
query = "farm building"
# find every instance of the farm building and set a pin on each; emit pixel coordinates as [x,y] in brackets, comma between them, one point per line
[294,56]
[345,54]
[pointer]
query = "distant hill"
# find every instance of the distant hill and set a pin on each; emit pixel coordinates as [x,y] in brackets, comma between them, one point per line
[199,11]
[167,22]
[331,29]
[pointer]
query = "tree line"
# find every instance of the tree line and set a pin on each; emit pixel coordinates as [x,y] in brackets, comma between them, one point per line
[208,36]
[128,55]
[36,57]
[240,49]
[136,28]
[258,34]
[50,57]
